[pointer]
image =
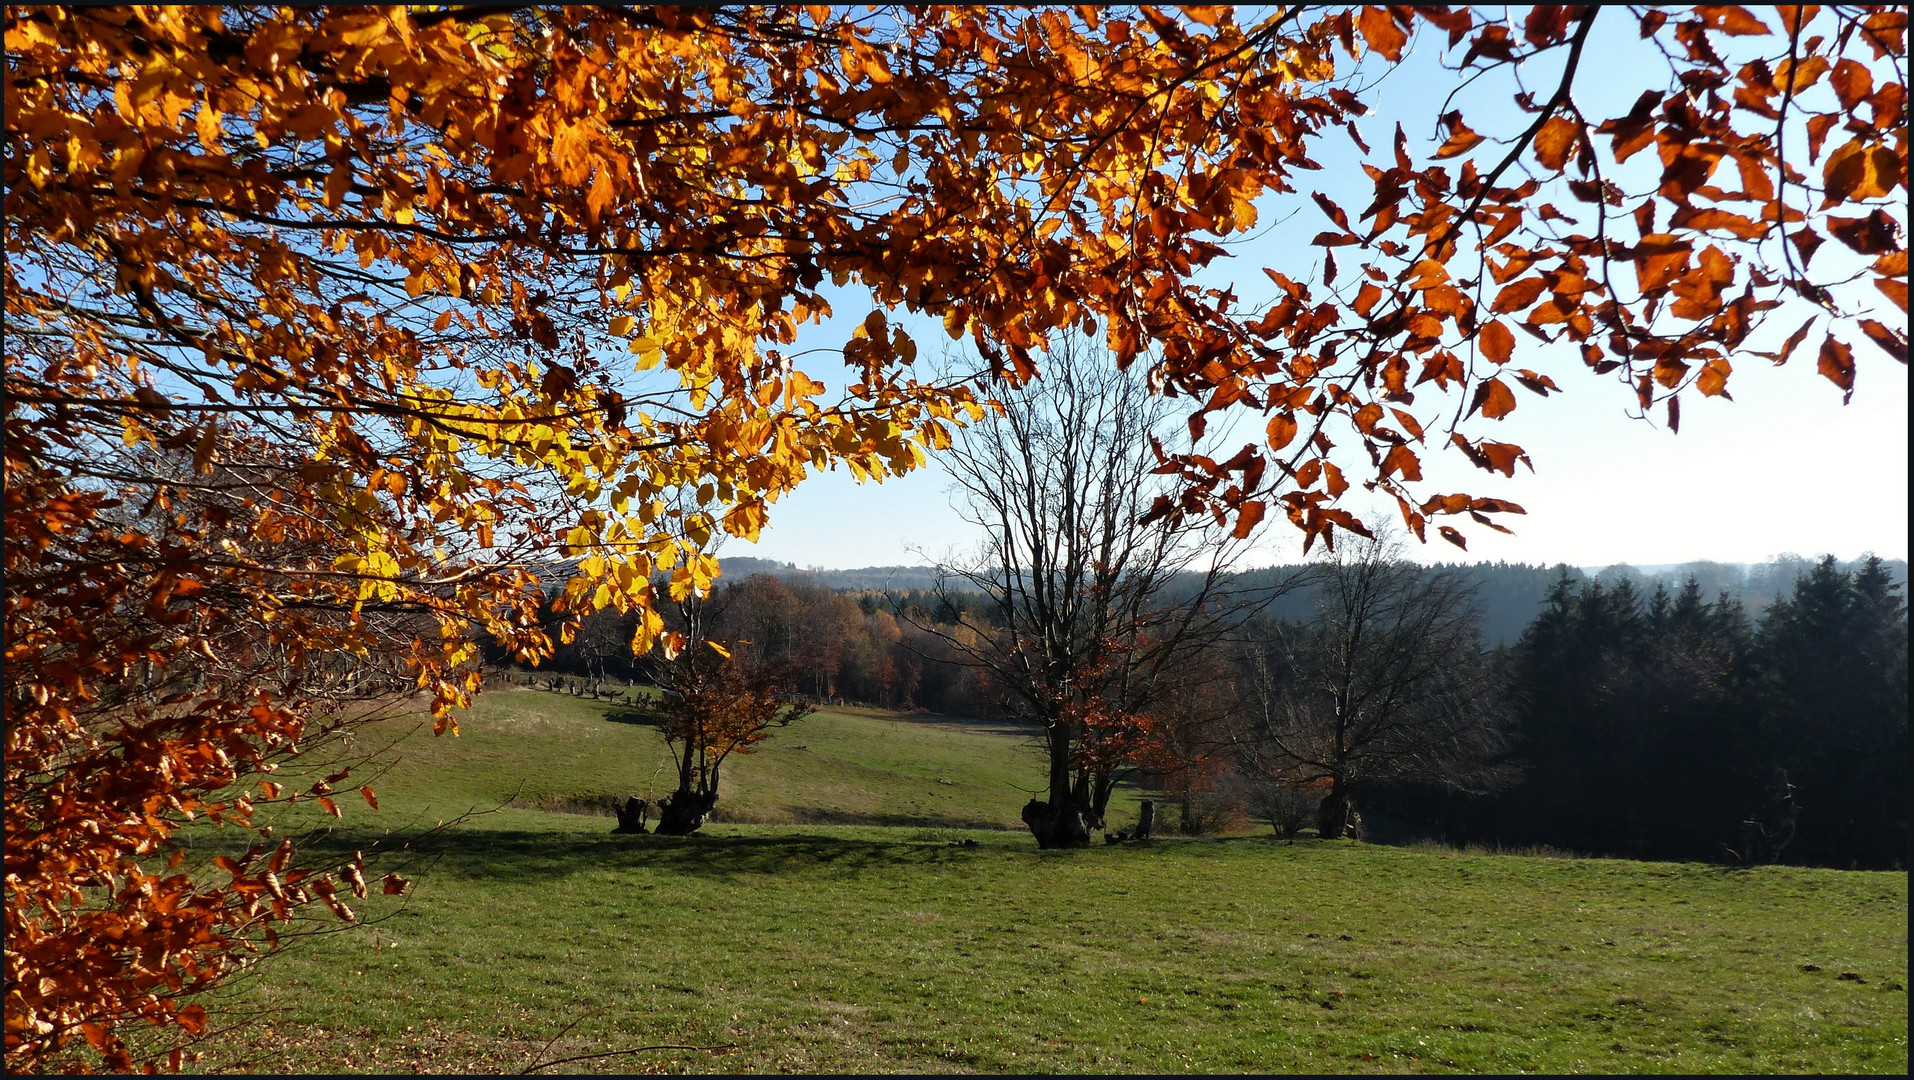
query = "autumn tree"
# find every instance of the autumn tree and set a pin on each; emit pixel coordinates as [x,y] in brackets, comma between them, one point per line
[719,698]
[426,248]
[191,704]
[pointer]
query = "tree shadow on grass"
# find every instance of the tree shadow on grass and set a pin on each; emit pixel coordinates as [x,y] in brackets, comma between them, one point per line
[526,856]
[625,714]
[824,815]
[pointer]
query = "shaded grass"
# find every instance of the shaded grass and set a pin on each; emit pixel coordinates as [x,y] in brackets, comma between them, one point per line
[807,947]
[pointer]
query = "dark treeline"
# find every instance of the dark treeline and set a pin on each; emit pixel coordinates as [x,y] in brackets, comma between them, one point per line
[1509,594]
[1672,724]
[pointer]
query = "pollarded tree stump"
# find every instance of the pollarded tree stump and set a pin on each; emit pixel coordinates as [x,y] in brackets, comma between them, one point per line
[1061,826]
[682,814]
[632,815]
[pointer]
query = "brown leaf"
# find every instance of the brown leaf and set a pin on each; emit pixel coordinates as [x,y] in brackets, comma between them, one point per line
[1874,234]
[1333,481]
[1247,516]
[1556,142]
[1366,298]
[1805,241]
[1380,32]
[1517,295]
[1892,342]
[1494,399]
[1536,383]
[1713,380]
[1818,127]
[1496,341]
[1853,83]
[1731,20]
[1461,139]
[1857,171]
[1503,456]
[1836,364]
[1893,290]
[1547,24]
[1282,430]
[1334,211]
[1689,217]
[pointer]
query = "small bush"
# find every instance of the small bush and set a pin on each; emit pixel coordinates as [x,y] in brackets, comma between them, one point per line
[1285,808]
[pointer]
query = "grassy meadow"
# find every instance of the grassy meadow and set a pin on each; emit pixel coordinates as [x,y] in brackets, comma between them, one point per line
[868,904]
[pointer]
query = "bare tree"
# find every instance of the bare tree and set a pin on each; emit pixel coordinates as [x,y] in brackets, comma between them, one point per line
[1388,682]
[1090,609]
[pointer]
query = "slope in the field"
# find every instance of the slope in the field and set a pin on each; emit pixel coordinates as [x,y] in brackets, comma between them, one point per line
[542,750]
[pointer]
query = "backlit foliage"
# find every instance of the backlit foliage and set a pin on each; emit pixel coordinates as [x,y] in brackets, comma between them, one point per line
[346,319]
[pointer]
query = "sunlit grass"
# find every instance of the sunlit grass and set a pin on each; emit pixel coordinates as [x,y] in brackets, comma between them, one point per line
[859,948]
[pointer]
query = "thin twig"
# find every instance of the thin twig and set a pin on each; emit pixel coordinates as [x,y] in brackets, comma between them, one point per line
[614,1053]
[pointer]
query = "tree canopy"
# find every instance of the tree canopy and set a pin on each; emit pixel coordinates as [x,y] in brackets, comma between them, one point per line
[354,318]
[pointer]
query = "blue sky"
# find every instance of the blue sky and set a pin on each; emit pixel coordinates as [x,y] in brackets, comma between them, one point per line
[1784,467]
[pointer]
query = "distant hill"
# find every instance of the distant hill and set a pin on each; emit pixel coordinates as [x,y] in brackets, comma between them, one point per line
[880,578]
[1511,593]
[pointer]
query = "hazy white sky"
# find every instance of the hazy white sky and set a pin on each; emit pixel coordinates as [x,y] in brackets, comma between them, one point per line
[1784,467]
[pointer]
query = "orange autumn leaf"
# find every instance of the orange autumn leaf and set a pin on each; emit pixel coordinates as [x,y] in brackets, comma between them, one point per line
[1282,430]
[1517,295]
[1380,32]
[1556,142]
[1403,461]
[1497,342]
[1493,399]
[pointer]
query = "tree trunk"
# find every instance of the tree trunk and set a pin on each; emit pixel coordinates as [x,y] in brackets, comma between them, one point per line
[683,813]
[1145,821]
[1061,822]
[631,816]
[1100,788]
[1332,817]
[1055,825]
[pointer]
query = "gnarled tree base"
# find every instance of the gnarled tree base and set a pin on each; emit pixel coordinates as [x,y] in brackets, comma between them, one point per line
[682,814]
[1337,817]
[632,815]
[1062,826]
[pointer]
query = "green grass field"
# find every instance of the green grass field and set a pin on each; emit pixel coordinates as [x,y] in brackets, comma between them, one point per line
[534,936]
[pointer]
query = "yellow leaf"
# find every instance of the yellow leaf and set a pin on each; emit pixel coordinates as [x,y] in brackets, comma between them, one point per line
[649,354]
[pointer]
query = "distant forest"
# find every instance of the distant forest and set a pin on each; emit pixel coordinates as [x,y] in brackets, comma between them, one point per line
[1706,712]
[1510,594]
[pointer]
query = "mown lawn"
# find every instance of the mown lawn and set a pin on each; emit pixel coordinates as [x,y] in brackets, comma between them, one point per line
[533,936]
